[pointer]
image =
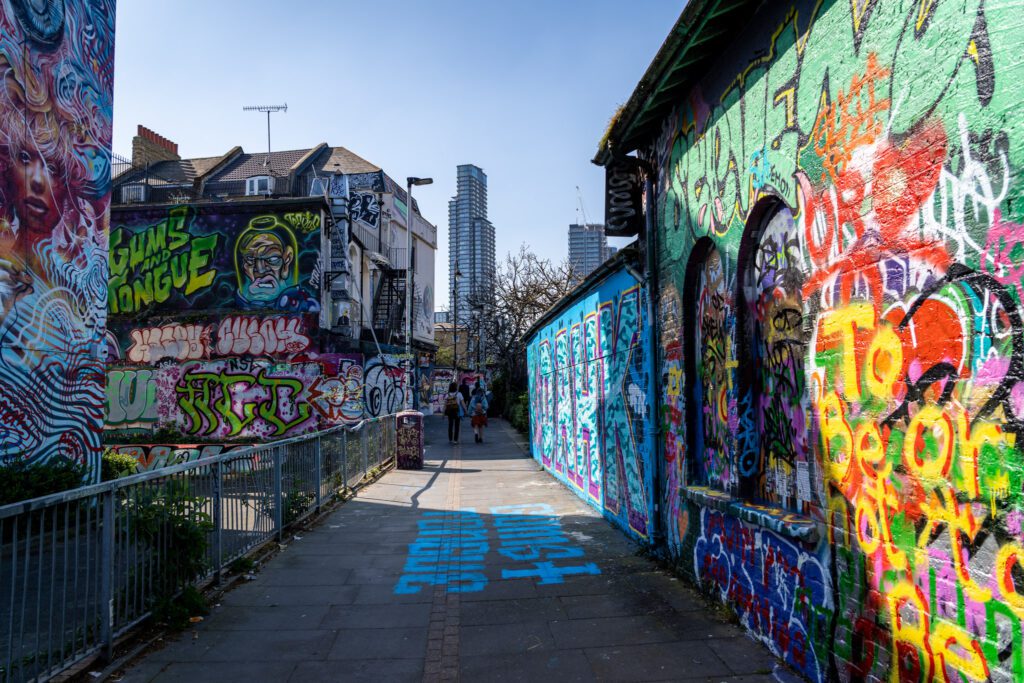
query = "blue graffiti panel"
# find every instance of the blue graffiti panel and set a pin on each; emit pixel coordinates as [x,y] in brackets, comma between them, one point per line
[589,400]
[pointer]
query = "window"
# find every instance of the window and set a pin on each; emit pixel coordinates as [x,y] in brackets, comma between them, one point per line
[135,192]
[260,184]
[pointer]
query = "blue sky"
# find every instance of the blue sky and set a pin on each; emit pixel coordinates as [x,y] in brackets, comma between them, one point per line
[522,89]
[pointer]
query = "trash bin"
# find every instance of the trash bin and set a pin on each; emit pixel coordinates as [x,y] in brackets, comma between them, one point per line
[410,440]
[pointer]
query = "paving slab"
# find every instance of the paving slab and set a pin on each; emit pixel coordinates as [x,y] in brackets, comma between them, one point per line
[479,567]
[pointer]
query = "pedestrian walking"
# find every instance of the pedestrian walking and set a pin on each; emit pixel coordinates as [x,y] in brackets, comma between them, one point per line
[454,409]
[478,412]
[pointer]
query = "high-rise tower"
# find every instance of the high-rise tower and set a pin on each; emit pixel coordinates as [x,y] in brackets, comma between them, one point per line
[588,248]
[470,243]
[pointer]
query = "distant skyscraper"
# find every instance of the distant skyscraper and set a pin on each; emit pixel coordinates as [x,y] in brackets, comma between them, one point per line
[471,241]
[588,248]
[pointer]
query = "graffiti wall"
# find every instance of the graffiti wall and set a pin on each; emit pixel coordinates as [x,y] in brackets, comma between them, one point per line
[588,388]
[440,380]
[56,88]
[214,334]
[250,398]
[215,258]
[841,253]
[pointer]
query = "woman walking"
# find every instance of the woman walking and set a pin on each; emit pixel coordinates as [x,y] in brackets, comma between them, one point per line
[478,412]
[454,408]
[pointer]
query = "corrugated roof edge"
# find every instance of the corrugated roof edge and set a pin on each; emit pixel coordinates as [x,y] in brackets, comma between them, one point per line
[627,114]
[628,255]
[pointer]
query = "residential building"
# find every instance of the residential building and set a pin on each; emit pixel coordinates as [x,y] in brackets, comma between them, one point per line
[471,253]
[283,271]
[364,275]
[588,248]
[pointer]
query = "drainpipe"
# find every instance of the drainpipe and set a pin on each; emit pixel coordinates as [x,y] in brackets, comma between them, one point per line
[652,426]
[653,430]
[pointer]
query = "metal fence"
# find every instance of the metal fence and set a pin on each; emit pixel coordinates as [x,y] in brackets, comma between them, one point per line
[80,568]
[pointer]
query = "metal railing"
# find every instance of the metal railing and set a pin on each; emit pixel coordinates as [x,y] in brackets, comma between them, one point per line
[82,567]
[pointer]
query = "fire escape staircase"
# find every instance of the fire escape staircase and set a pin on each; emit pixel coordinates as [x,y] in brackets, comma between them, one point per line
[389,306]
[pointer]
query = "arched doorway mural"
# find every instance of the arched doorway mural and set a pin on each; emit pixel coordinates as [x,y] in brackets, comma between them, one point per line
[774,277]
[712,401]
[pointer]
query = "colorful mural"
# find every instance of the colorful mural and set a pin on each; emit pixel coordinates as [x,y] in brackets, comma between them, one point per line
[56,82]
[848,172]
[588,393]
[216,258]
[214,331]
[715,392]
[440,380]
[250,398]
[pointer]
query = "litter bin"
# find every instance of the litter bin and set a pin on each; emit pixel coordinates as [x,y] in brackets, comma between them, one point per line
[410,440]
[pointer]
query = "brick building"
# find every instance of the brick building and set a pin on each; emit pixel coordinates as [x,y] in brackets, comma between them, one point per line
[828,199]
[258,296]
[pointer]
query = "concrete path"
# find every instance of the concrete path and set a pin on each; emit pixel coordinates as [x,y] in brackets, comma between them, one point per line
[480,567]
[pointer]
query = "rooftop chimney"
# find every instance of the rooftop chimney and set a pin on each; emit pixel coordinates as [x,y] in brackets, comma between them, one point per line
[149,148]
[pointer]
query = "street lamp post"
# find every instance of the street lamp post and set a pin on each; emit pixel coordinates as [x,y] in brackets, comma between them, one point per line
[410,181]
[478,310]
[455,323]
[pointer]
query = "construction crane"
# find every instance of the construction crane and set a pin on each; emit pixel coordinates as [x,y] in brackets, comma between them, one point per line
[580,210]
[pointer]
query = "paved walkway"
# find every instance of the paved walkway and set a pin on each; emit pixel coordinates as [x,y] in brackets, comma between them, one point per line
[480,567]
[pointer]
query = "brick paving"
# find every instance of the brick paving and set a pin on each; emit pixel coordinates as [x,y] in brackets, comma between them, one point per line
[480,567]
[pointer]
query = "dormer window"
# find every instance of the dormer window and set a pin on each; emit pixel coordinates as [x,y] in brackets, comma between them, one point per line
[259,184]
[132,193]
[318,188]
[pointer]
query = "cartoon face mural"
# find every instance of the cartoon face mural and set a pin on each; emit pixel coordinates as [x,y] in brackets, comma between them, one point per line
[265,262]
[248,364]
[215,258]
[55,125]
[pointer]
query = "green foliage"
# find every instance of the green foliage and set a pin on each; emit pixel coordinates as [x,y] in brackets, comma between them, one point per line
[499,394]
[176,611]
[115,465]
[170,517]
[165,435]
[241,565]
[296,502]
[519,413]
[22,480]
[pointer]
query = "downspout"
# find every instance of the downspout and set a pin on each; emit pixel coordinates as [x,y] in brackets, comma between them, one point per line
[652,426]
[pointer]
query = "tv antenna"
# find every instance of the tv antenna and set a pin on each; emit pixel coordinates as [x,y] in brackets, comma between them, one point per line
[268,109]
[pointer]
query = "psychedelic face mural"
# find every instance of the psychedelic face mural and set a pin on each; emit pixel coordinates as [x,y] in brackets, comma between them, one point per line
[56,78]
